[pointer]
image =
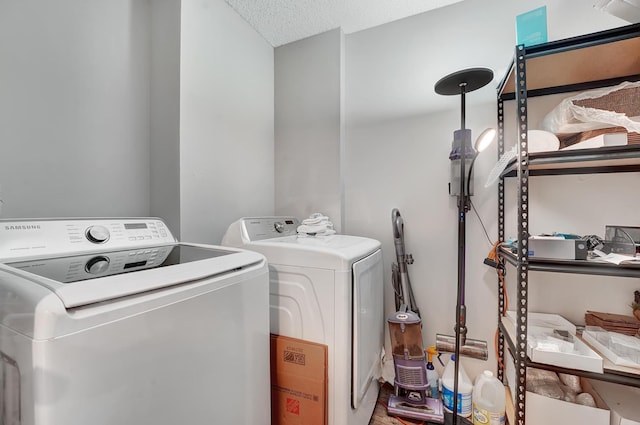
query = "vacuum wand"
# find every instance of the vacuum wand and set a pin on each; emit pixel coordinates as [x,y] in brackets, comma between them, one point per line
[400,277]
[460,344]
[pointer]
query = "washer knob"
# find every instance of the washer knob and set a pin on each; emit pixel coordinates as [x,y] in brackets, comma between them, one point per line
[279,226]
[97,234]
[97,265]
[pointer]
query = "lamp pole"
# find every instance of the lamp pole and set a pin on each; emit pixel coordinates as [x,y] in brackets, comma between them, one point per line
[461,329]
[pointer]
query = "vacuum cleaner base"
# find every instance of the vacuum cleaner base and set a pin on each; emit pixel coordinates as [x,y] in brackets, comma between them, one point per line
[431,411]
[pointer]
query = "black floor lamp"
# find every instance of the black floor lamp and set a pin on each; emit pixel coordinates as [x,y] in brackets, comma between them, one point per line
[463,154]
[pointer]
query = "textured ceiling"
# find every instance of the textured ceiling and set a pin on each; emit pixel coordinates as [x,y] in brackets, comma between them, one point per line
[283,21]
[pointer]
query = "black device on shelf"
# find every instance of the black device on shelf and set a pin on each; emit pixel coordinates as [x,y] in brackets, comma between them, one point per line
[529,76]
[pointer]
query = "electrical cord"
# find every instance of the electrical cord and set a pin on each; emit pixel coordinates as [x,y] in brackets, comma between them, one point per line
[501,271]
[481,223]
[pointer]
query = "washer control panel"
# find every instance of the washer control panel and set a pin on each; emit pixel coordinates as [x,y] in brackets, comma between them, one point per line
[48,238]
[88,266]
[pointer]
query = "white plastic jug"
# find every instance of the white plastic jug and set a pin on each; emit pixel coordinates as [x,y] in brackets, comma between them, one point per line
[488,400]
[465,389]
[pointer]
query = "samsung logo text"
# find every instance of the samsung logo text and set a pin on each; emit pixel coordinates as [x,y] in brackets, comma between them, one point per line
[23,227]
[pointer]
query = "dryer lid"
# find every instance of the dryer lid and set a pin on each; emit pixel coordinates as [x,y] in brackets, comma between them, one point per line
[337,252]
[277,239]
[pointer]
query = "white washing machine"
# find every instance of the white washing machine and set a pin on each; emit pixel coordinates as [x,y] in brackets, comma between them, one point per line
[327,290]
[112,321]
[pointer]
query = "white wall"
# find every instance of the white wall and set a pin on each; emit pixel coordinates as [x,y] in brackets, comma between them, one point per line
[398,137]
[165,112]
[226,121]
[308,127]
[74,108]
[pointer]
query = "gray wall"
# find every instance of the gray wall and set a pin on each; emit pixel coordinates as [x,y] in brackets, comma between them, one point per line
[74,108]
[226,121]
[308,127]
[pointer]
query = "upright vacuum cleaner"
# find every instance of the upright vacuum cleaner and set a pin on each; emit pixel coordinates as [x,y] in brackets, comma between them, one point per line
[411,397]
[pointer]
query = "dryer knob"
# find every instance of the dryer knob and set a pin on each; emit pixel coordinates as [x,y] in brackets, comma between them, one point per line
[97,265]
[97,234]
[279,226]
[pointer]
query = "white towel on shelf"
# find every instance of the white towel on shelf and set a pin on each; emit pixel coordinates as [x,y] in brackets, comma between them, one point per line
[316,225]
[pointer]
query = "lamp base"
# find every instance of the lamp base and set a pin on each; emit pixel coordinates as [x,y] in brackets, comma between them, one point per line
[448,419]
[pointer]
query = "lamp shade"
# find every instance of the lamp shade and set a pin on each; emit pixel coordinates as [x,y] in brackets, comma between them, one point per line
[485,139]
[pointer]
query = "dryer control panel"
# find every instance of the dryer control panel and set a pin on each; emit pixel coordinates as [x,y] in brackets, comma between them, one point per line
[259,228]
[35,238]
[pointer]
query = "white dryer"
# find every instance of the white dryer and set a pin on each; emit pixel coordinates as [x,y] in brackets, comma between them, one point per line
[327,290]
[112,321]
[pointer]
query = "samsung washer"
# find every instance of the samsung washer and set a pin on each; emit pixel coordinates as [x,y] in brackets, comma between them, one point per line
[327,290]
[112,321]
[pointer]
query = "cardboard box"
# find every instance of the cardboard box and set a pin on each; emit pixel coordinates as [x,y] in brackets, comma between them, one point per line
[622,400]
[298,382]
[541,410]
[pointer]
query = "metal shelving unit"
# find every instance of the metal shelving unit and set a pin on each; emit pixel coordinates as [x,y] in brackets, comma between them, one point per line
[574,68]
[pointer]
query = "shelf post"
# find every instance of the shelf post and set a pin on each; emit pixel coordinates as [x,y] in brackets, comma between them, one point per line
[501,289]
[522,278]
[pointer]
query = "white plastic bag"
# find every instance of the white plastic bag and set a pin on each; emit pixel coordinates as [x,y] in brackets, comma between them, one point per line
[567,117]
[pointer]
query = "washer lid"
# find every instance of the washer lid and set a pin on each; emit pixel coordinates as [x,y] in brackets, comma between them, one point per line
[90,278]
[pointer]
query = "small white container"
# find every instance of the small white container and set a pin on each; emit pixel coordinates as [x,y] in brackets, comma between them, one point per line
[488,400]
[465,389]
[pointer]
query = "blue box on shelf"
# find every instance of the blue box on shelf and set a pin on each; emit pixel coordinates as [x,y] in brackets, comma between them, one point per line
[531,27]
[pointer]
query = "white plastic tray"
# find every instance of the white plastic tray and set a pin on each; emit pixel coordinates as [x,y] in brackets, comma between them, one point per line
[590,335]
[580,356]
